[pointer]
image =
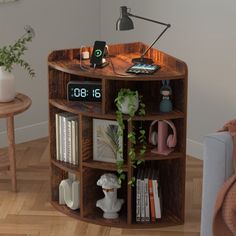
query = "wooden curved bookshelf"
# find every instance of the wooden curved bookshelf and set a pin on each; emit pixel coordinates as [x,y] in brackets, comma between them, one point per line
[63,67]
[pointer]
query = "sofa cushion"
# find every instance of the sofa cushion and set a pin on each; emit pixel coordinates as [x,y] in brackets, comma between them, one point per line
[217,168]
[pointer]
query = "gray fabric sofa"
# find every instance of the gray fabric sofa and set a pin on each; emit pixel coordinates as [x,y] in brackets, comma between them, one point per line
[217,168]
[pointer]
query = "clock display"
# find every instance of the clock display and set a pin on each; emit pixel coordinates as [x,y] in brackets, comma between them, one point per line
[86,91]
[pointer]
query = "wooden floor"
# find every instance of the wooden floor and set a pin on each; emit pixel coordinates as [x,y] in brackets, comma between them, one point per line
[29,212]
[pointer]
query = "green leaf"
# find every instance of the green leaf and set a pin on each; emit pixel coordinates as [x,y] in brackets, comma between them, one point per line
[130,182]
[12,54]
[122,176]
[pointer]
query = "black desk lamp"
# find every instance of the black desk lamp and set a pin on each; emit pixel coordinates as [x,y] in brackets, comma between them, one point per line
[125,23]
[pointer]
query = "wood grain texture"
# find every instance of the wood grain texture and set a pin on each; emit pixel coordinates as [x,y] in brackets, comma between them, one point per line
[63,66]
[18,105]
[8,110]
[121,56]
[11,150]
[29,212]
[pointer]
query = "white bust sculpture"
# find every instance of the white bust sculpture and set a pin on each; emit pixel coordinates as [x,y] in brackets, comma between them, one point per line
[109,204]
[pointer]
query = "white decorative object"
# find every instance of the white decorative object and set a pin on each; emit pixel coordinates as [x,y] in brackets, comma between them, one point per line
[69,193]
[109,204]
[125,104]
[85,55]
[7,86]
[106,141]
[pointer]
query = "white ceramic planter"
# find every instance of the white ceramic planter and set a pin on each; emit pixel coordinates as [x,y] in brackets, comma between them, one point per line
[125,105]
[7,86]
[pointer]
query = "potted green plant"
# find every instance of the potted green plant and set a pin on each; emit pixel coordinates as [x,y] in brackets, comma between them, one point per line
[129,102]
[12,55]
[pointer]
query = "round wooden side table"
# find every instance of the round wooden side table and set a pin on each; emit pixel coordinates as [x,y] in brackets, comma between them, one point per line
[9,110]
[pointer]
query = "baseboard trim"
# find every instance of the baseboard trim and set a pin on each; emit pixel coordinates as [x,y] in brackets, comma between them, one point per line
[26,133]
[195,149]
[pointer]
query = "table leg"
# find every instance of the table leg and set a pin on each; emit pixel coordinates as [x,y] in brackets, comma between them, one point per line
[11,150]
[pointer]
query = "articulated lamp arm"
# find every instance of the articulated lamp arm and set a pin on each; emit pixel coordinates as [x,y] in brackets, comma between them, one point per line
[154,21]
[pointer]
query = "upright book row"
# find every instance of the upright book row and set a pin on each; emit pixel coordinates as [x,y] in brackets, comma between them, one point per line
[148,195]
[67,145]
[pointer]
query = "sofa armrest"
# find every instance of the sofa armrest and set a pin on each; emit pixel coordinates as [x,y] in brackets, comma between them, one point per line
[217,168]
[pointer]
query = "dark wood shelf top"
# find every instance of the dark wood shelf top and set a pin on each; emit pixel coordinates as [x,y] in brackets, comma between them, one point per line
[85,108]
[175,114]
[101,165]
[149,156]
[66,166]
[121,56]
[18,105]
[73,67]
[93,109]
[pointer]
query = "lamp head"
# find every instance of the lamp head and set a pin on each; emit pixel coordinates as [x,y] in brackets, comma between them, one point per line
[124,22]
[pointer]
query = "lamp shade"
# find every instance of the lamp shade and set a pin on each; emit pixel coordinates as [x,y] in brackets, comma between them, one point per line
[124,22]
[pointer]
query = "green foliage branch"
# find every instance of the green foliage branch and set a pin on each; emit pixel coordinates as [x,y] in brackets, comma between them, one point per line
[135,137]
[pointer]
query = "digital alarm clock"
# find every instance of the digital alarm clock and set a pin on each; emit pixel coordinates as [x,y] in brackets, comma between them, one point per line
[86,91]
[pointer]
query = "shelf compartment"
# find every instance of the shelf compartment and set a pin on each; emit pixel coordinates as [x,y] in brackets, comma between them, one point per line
[66,166]
[102,165]
[87,142]
[171,179]
[150,93]
[92,193]
[179,149]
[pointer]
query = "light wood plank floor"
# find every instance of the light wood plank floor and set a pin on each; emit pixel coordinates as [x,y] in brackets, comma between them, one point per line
[30,213]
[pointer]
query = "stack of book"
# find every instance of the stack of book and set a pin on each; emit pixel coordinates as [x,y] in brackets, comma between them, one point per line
[67,144]
[148,199]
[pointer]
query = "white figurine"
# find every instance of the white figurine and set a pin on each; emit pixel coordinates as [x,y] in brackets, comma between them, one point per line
[109,204]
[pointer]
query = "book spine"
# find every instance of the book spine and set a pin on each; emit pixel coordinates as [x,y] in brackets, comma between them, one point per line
[151,198]
[74,142]
[69,142]
[138,200]
[146,196]
[156,199]
[142,201]
[64,139]
[61,137]
[57,137]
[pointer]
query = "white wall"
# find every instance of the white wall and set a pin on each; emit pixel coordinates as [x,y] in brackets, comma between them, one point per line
[203,35]
[58,24]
